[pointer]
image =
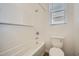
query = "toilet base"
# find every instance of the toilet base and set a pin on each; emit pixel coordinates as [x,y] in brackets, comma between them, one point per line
[56,52]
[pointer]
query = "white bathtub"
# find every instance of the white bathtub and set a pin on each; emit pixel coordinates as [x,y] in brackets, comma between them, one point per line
[34,49]
[37,49]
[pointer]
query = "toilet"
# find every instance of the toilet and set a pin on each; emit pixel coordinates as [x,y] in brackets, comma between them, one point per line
[57,44]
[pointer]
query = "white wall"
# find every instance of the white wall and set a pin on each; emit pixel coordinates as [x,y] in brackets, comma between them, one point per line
[76,29]
[46,30]
[16,13]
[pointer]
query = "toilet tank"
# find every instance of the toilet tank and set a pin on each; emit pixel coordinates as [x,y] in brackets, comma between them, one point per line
[57,41]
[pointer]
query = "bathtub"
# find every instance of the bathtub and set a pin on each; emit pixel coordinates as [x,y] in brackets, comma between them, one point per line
[37,48]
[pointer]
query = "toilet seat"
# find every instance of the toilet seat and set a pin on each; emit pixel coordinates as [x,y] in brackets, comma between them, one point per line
[56,52]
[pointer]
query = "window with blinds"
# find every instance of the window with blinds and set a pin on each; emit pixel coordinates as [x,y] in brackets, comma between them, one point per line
[57,13]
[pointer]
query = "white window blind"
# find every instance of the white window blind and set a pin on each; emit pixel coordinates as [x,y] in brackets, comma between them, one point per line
[57,13]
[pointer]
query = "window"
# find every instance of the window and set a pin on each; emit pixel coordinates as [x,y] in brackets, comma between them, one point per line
[57,13]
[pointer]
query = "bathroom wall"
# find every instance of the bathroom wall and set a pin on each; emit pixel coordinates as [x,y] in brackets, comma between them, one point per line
[41,23]
[16,13]
[76,29]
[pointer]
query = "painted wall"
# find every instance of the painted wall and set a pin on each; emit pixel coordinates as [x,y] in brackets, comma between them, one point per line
[76,29]
[46,30]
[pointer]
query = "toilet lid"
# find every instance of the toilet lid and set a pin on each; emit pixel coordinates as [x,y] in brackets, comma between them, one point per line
[56,52]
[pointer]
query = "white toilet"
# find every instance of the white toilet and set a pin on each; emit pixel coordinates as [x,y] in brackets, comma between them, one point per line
[57,44]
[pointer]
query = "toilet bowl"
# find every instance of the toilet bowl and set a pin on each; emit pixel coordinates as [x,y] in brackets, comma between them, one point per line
[56,46]
[56,52]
